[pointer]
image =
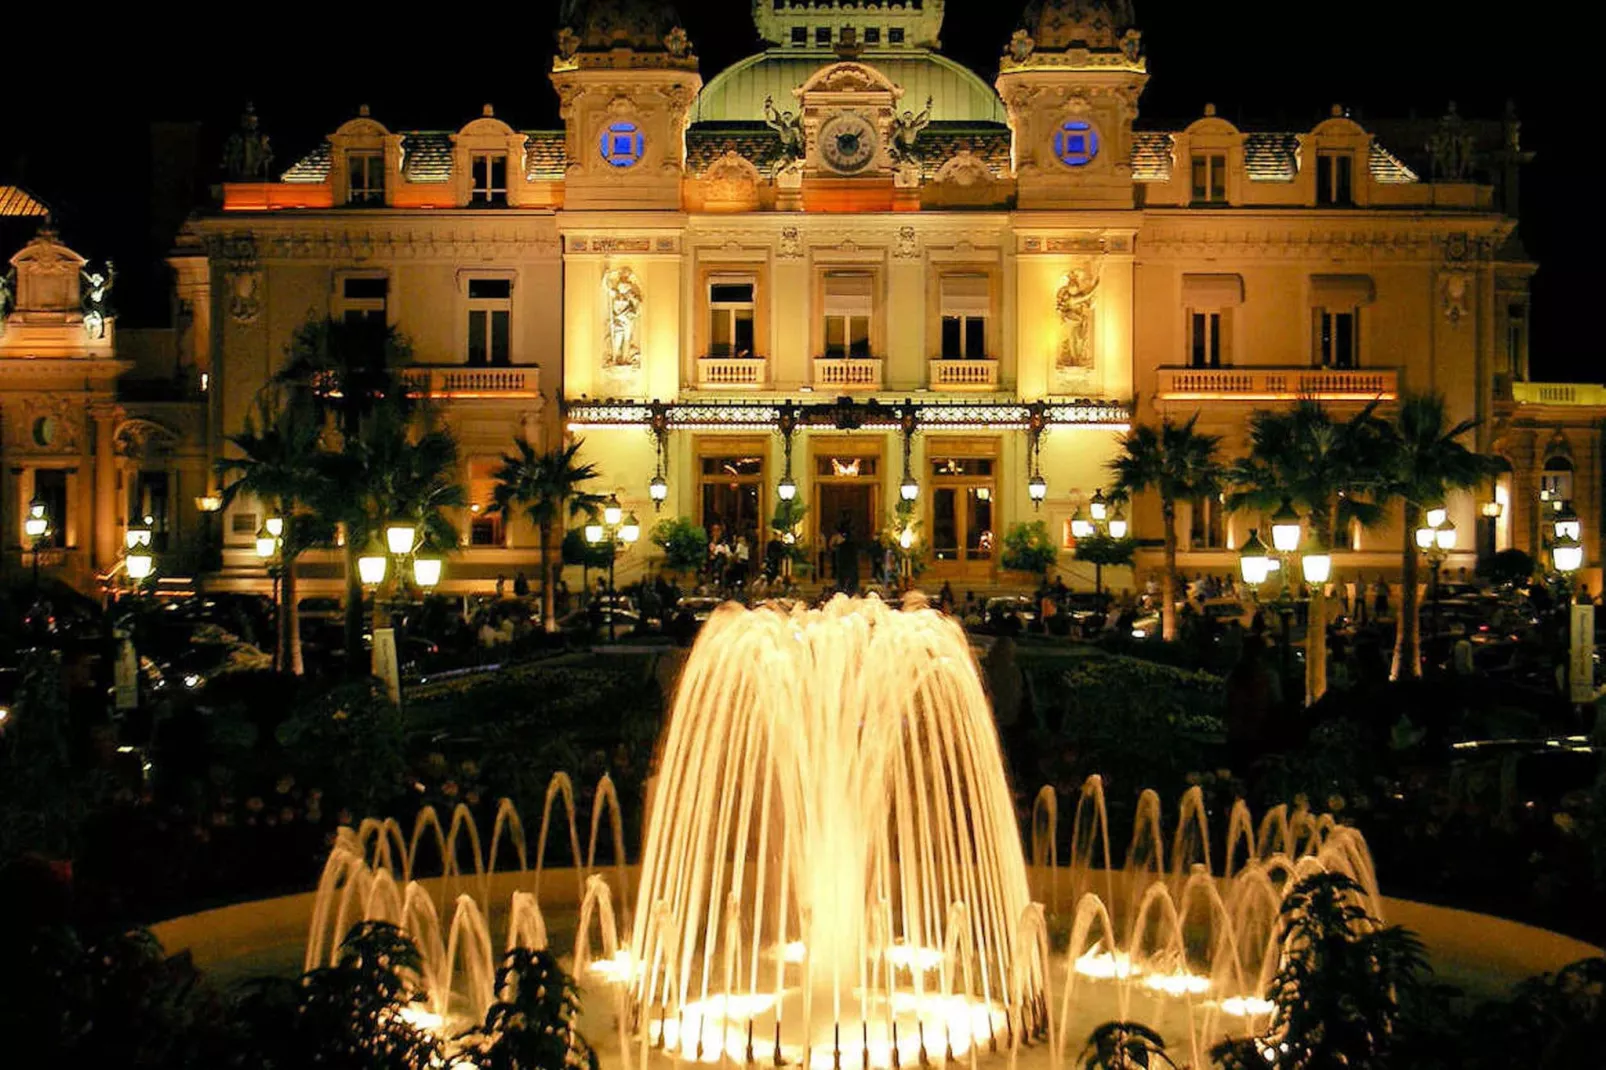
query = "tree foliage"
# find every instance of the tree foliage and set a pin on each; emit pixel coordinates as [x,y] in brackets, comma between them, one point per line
[684,543]
[1028,548]
[547,487]
[531,1024]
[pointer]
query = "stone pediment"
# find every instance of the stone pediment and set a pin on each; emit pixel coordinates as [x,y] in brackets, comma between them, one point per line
[848,78]
[47,275]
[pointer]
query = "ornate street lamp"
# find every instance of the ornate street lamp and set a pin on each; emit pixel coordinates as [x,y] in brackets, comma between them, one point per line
[612,512]
[1567,554]
[37,528]
[210,502]
[593,533]
[658,490]
[1567,524]
[267,544]
[630,530]
[1436,538]
[140,563]
[1492,509]
[275,526]
[1317,562]
[1118,524]
[786,489]
[137,534]
[1285,529]
[1037,489]
[617,527]
[1436,515]
[1098,506]
[1081,526]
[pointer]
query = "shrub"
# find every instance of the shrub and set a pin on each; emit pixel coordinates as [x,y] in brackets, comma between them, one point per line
[684,543]
[351,740]
[1027,548]
[531,1024]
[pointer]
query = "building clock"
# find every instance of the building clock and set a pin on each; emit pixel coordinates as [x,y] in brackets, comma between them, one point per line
[847,142]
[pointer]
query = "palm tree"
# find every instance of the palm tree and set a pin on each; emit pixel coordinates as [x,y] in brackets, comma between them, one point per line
[1178,463]
[278,464]
[1324,468]
[398,465]
[1422,461]
[547,486]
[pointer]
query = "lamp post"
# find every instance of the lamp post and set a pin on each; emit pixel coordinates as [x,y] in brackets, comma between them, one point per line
[1102,523]
[268,546]
[1256,562]
[616,528]
[208,505]
[37,528]
[138,561]
[1435,538]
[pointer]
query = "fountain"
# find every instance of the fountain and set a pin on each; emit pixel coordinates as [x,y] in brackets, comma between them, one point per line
[833,875]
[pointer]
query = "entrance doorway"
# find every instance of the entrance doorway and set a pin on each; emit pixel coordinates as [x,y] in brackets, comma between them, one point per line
[847,501]
[963,496]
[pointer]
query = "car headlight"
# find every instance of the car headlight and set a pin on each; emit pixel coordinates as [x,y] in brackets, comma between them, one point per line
[192,680]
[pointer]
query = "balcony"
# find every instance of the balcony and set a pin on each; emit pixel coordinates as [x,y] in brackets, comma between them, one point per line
[461,382]
[730,373]
[963,375]
[847,373]
[1278,384]
[1558,393]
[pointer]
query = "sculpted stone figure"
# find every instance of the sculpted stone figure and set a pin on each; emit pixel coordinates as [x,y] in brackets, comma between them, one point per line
[246,155]
[905,129]
[622,294]
[789,128]
[95,297]
[1074,303]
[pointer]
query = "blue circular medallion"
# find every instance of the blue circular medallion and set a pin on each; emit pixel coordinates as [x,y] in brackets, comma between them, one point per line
[1076,143]
[621,144]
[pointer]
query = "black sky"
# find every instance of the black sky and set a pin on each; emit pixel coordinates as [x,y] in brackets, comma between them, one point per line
[76,125]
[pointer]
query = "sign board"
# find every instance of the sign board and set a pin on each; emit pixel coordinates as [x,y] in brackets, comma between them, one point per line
[1581,653]
[384,665]
[126,689]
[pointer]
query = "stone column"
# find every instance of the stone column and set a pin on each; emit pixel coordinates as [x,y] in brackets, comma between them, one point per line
[104,489]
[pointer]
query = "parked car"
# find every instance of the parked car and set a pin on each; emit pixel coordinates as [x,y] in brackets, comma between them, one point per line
[580,622]
[701,607]
[1020,607]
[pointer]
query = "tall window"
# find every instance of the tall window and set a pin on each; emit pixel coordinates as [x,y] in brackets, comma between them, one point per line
[1206,526]
[1556,481]
[485,528]
[872,35]
[731,492]
[50,487]
[965,305]
[1210,178]
[490,313]
[1206,331]
[365,176]
[1516,328]
[488,171]
[800,36]
[962,496]
[1336,342]
[362,300]
[730,318]
[822,35]
[847,314]
[1334,175]
[151,499]
[895,35]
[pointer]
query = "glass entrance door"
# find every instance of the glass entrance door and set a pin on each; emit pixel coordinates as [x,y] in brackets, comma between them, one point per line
[963,542]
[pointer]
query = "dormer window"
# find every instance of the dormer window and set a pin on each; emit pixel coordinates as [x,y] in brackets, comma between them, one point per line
[800,36]
[895,35]
[488,174]
[365,176]
[1209,178]
[822,35]
[1334,178]
[872,35]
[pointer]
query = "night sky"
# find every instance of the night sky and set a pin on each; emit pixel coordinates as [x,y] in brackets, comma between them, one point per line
[80,106]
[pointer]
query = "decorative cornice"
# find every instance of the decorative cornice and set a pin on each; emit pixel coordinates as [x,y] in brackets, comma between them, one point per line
[869,414]
[413,239]
[1415,240]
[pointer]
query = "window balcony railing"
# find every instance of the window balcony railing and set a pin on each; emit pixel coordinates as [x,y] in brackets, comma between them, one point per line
[1558,393]
[731,373]
[950,374]
[1278,384]
[458,382]
[848,373]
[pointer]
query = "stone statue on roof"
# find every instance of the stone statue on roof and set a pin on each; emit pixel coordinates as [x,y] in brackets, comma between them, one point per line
[905,129]
[95,291]
[788,126]
[1453,148]
[246,154]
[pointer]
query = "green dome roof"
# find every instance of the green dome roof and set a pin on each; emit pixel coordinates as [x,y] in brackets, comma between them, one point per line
[958,94]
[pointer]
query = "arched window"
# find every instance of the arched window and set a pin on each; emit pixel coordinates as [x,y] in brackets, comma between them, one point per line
[1556,482]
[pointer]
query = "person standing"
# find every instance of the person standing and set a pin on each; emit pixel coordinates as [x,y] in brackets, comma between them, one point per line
[521,585]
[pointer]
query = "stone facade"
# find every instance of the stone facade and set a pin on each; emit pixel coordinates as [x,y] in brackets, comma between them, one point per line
[1009,295]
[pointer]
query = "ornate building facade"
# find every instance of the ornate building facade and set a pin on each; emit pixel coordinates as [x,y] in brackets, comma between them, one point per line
[848,262]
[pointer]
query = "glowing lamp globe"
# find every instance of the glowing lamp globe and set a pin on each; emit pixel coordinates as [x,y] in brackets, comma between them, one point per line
[1567,525]
[1567,555]
[786,489]
[138,534]
[399,537]
[630,530]
[37,526]
[1037,489]
[1253,562]
[658,490]
[1444,536]
[267,545]
[984,494]
[1118,525]
[1436,515]
[1317,564]
[612,512]
[371,566]
[139,565]
[427,570]
[210,502]
[593,533]
[1098,506]
[1285,528]
[1424,537]
[1081,526]
[275,526]
[1493,509]
[906,539]
[909,490]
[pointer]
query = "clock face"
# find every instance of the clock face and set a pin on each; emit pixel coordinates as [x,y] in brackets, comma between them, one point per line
[847,142]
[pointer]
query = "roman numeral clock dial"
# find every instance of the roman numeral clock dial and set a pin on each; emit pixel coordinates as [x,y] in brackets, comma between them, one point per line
[847,142]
